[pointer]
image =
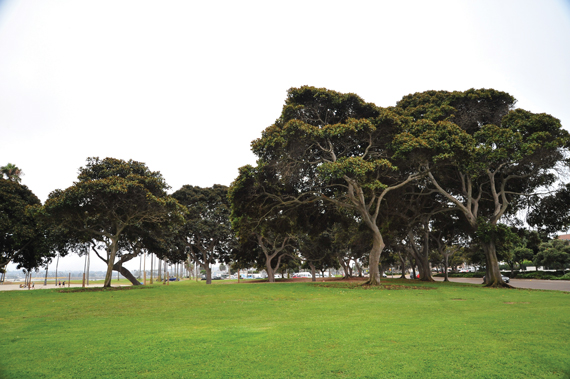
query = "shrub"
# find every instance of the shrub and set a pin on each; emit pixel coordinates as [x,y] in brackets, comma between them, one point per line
[539,275]
[563,277]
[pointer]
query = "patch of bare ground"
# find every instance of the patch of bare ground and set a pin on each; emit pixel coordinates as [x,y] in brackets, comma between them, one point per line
[101,289]
[319,280]
[348,283]
[360,286]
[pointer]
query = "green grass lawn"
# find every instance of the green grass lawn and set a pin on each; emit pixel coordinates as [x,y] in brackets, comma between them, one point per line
[286,330]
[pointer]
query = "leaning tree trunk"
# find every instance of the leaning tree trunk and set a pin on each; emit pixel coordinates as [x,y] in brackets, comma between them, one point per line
[359,269]
[344,267]
[493,276]
[126,273]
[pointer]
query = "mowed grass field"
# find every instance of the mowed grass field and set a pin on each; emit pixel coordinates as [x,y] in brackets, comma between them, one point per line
[286,330]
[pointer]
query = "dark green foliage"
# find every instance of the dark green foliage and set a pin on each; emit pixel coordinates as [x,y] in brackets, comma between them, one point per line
[23,240]
[551,213]
[207,230]
[115,203]
[556,275]
[482,155]
[11,172]
[554,254]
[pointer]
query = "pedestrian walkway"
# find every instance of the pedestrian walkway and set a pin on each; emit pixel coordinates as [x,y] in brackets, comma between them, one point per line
[537,284]
[15,286]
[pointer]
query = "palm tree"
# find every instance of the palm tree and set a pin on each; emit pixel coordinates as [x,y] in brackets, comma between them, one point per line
[12,172]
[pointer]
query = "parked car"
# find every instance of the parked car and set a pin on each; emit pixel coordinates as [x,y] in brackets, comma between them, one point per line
[506,279]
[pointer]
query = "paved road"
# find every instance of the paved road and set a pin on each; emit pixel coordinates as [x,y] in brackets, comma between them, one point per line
[537,284]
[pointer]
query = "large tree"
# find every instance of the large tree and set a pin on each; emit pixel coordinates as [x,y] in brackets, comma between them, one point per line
[207,231]
[554,254]
[335,147]
[264,230]
[482,155]
[111,200]
[23,240]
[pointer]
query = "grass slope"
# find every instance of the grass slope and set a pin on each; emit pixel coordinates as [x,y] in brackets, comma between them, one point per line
[286,330]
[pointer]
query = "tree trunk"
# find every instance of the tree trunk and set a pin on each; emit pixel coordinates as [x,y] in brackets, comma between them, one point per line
[421,256]
[159,270]
[151,268]
[208,272]
[445,267]
[126,273]
[423,268]
[111,262]
[402,265]
[374,259]
[358,268]
[56,264]
[270,271]
[88,265]
[313,272]
[344,268]
[492,272]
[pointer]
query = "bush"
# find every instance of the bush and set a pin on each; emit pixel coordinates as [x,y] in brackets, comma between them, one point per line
[563,277]
[539,275]
[556,275]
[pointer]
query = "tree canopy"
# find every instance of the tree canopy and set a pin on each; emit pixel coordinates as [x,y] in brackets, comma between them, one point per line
[112,200]
[22,239]
[207,229]
[12,172]
[336,148]
[554,254]
[484,156]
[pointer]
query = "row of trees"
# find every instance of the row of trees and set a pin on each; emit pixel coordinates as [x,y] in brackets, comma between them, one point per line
[338,180]
[439,168]
[117,209]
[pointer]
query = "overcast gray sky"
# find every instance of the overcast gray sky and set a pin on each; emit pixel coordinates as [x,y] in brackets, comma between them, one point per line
[185,86]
